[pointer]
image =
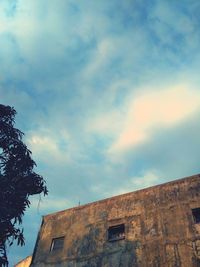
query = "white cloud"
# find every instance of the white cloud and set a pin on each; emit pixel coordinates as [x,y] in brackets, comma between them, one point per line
[37,28]
[167,16]
[50,204]
[101,57]
[94,60]
[141,113]
[152,110]
[48,147]
[106,125]
[149,178]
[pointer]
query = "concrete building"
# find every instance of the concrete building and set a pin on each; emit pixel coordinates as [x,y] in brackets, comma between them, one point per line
[25,262]
[154,227]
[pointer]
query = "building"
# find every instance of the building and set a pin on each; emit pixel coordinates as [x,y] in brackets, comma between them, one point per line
[154,227]
[24,263]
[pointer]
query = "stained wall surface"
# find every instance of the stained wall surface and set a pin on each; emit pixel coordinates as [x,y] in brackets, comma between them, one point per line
[160,230]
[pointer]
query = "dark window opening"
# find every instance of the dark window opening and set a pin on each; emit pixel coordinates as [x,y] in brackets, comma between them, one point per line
[57,243]
[196,215]
[116,232]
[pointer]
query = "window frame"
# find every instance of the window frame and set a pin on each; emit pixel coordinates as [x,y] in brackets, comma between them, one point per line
[120,234]
[196,215]
[54,248]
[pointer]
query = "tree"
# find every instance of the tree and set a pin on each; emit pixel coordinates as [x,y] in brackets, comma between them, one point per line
[17,182]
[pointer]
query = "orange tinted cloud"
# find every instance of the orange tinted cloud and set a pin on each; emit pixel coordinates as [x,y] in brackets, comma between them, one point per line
[151,110]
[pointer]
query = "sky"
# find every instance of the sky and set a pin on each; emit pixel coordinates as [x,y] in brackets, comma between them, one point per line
[107,94]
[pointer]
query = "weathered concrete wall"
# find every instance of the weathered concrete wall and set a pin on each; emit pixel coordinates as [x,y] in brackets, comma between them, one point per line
[159,230]
[24,263]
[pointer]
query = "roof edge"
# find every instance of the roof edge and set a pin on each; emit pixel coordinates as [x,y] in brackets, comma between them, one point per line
[179,180]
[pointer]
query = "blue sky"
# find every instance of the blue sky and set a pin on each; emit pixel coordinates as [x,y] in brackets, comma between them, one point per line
[107,93]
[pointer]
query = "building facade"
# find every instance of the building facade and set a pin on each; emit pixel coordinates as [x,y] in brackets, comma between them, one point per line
[153,227]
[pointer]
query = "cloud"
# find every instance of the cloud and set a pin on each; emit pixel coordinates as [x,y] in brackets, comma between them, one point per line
[101,57]
[106,93]
[155,109]
[50,204]
[135,183]
[48,148]
[130,184]
[172,152]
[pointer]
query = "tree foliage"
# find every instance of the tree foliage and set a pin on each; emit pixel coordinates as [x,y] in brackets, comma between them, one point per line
[17,181]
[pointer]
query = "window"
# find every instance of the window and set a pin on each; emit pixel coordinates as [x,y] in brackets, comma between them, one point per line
[116,232]
[57,243]
[196,215]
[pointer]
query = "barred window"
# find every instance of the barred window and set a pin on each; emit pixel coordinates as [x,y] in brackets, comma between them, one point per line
[116,232]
